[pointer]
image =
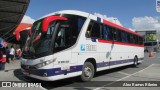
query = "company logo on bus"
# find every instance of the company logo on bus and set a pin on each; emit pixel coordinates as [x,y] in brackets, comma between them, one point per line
[88,47]
[82,47]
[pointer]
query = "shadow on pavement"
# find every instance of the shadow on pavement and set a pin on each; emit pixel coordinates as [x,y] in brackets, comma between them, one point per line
[46,84]
[101,73]
[18,74]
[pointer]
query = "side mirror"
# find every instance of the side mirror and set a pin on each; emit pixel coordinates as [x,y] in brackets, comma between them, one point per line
[50,19]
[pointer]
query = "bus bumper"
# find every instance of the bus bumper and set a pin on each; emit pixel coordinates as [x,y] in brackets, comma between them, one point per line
[52,74]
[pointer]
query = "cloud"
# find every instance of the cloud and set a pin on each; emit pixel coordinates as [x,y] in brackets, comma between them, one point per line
[111,19]
[132,29]
[146,23]
[27,19]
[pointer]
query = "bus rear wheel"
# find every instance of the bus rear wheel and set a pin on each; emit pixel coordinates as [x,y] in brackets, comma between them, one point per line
[87,71]
[135,63]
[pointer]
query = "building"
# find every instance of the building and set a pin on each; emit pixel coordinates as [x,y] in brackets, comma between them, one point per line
[151,39]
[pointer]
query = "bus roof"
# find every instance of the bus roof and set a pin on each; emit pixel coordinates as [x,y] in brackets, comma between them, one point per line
[144,30]
[74,12]
[85,14]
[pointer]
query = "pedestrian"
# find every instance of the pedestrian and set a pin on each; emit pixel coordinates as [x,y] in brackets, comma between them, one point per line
[18,53]
[11,53]
[7,55]
[2,58]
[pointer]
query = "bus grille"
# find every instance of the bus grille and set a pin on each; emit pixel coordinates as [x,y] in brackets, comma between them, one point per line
[27,67]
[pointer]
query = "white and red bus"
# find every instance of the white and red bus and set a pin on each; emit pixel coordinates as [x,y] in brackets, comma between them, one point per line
[72,43]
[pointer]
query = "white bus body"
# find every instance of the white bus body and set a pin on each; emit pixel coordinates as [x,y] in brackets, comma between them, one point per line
[103,54]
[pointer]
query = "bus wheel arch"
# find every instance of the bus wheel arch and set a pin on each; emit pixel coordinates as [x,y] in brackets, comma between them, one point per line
[88,70]
[93,61]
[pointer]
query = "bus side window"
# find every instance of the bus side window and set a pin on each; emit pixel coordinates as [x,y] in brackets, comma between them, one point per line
[93,30]
[114,34]
[119,35]
[128,38]
[132,39]
[136,39]
[75,33]
[88,32]
[140,41]
[123,36]
[101,31]
[107,33]
[62,40]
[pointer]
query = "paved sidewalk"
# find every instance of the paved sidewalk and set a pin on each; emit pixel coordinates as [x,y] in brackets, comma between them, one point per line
[12,72]
[152,73]
[8,73]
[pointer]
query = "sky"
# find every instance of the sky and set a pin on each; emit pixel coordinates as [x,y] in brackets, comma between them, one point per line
[132,14]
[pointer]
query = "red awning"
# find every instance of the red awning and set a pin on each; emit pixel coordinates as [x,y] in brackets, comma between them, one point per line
[21,27]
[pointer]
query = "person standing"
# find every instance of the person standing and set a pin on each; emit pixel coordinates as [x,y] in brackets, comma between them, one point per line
[18,53]
[11,53]
[2,58]
[7,55]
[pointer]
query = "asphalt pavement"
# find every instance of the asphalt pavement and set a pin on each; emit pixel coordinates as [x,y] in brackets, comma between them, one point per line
[113,79]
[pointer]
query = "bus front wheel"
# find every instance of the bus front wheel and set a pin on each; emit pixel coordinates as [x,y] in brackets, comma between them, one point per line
[87,71]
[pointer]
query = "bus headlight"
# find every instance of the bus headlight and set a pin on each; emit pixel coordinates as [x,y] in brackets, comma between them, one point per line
[44,63]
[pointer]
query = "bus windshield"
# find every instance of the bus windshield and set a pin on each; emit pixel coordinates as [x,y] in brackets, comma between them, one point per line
[59,36]
[39,43]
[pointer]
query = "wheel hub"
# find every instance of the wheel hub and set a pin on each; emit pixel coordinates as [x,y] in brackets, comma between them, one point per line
[87,71]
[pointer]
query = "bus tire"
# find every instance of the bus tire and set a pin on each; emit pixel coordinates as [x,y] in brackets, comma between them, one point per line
[87,72]
[135,63]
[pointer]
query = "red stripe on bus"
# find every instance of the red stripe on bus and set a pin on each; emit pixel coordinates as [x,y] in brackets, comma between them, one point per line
[119,27]
[119,43]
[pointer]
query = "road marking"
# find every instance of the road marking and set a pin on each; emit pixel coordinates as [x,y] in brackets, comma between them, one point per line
[124,73]
[43,88]
[122,78]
